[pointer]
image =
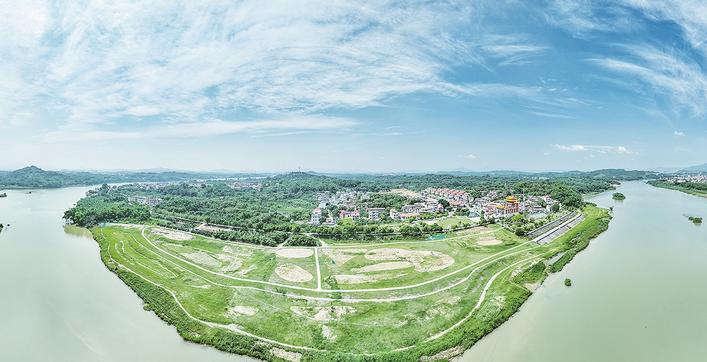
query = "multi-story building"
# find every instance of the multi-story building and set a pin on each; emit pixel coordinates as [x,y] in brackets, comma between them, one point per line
[374,213]
[316,217]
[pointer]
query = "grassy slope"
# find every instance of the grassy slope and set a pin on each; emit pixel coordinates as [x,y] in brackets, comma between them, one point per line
[488,317]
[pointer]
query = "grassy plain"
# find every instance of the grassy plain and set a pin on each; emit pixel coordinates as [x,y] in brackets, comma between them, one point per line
[397,300]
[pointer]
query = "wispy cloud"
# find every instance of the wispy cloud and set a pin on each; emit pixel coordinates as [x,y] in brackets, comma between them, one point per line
[208,128]
[86,64]
[679,133]
[677,77]
[689,15]
[594,149]
[469,156]
[582,17]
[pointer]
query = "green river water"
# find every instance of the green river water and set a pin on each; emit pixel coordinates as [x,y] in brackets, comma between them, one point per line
[639,292]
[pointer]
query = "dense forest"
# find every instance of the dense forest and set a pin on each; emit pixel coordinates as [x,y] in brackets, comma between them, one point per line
[277,210]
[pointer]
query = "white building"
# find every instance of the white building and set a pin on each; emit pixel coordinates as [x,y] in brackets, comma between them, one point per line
[316,217]
[374,213]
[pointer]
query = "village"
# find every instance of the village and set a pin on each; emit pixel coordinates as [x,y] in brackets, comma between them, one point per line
[429,204]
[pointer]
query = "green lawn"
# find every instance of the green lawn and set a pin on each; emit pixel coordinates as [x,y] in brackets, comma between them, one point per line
[228,288]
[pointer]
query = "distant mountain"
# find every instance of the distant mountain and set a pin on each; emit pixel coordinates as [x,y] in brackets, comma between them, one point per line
[695,169]
[35,177]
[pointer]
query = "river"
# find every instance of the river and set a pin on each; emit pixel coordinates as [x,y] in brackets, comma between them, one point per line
[638,292]
[59,303]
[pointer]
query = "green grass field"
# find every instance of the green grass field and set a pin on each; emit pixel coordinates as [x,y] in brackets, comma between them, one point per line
[388,300]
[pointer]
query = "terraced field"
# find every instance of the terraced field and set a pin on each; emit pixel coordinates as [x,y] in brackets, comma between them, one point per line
[388,300]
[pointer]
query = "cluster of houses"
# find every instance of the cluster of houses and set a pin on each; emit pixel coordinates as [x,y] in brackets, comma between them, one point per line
[144,200]
[246,185]
[347,199]
[458,198]
[686,179]
[491,205]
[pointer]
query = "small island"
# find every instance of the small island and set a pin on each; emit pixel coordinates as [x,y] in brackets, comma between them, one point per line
[568,282]
[618,196]
[697,220]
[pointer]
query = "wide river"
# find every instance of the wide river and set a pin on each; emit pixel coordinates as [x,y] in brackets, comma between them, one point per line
[638,294]
[58,301]
[639,291]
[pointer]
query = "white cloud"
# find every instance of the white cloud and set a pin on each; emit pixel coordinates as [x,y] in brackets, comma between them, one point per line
[594,149]
[679,133]
[469,156]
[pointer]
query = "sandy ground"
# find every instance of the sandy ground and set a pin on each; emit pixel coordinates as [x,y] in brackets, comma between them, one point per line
[489,242]
[294,253]
[233,264]
[354,278]
[328,333]
[444,355]
[341,256]
[172,234]
[286,355]
[242,310]
[203,258]
[293,273]
[532,286]
[423,260]
[392,265]
[324,314]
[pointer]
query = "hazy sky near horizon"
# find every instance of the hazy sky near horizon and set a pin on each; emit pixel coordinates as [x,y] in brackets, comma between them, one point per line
[354,85]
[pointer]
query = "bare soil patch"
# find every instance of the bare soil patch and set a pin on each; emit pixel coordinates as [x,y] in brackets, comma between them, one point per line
[444,355]
[294,253]
[203,258]
[489,242]
[172,234]
[328,333]
[242,310]
[341,256]
[293,273]
[423,260]
[354,278]
[392,265]
[324,314]
[286,355]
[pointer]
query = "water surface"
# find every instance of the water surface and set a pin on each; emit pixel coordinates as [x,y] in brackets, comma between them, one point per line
[639,291]
[58,301]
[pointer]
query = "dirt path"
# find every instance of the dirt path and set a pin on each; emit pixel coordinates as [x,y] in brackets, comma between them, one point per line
[319,271]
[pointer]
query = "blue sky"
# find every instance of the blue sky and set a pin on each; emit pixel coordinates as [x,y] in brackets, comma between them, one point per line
[353,86]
